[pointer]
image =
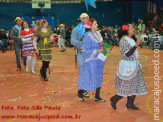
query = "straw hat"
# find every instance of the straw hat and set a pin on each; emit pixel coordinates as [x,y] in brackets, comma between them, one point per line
[83,15]
[61,25]
[17,18]
[2,30]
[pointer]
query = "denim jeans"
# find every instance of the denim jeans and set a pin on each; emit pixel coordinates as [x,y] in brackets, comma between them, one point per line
[1,45]
[115,41]
[62,43]
[80,59]
[18,47]
[5,43]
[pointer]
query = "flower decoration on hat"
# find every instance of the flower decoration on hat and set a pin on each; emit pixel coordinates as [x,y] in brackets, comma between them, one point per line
[88,24]
[125,27]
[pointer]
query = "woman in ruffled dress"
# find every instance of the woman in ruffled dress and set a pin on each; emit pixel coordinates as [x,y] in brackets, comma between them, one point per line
[28,50]
[91,71]
[129,80]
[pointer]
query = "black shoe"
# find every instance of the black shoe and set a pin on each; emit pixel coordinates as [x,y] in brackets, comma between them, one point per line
[130,103]
[113,104]
[114,100]
[80,95]
[100,99]
[97,95]
[45,79]
[131,106]
[45,76]
[18,69]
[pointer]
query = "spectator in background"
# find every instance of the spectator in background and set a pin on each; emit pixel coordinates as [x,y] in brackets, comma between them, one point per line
[62,36]
[103,31]
[161,27]
[1,45]
[4,39]
[55,30]
[116,28]
[149,24]
[153,25]
[141,27]
[33,24]
[110,36]
[68,36]
[157,21]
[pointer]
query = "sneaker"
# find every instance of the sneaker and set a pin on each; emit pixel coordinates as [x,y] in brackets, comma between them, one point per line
[33,72]
[100,99]
[80,96]
[18,69]
[85,94]
[27,70]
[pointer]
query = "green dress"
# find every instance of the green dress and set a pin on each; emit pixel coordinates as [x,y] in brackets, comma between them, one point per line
[44,45]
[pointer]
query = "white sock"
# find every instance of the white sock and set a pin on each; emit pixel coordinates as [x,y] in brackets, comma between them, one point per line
[33,63]
[28,62]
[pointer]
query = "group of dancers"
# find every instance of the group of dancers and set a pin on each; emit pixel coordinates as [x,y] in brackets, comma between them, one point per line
[25,39]
[88,44]
[129,80]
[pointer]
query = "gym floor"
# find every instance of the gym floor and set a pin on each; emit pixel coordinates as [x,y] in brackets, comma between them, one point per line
[28,98]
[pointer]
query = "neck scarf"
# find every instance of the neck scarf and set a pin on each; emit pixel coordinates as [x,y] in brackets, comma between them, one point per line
[19,28]
[80,28]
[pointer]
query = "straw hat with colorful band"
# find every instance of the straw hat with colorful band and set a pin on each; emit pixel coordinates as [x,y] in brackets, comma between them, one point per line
[17,18]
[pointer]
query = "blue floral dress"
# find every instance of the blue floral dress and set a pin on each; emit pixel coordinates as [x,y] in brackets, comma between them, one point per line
[129,79]
[91,71]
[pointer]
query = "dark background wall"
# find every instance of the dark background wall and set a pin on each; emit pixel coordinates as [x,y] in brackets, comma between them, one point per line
[107,13]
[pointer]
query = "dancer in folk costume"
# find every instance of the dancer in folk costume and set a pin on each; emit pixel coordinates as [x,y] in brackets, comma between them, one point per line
[91,71]
[45,34]
[28,50]
[129,80]
[15,35]
[77,36]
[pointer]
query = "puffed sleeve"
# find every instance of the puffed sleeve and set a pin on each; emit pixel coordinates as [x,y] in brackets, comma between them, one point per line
[126,49]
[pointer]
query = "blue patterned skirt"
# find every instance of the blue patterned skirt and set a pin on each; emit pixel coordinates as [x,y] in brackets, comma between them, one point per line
[91,75]
[134,86]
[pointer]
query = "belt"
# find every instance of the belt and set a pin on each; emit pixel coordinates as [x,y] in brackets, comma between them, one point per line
[79,50]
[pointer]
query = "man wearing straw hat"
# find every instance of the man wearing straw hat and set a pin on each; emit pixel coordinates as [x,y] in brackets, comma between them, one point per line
[76,39]
[15,35]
